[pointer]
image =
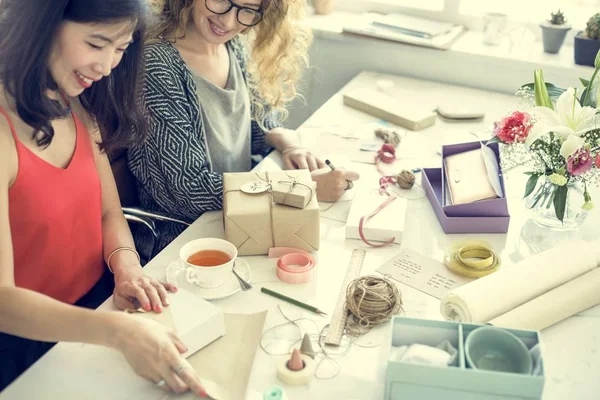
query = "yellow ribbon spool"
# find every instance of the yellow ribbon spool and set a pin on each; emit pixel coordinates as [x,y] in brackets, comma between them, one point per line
[472,259]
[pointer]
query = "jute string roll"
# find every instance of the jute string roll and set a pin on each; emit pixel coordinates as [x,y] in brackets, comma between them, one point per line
[371,301]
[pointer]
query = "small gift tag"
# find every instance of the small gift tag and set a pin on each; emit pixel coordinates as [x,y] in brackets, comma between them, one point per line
[255,187]
[292,194]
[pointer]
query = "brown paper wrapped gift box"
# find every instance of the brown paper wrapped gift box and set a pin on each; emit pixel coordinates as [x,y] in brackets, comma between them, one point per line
[254,223]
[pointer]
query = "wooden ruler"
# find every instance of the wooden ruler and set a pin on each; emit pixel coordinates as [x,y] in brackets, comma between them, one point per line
[340,315]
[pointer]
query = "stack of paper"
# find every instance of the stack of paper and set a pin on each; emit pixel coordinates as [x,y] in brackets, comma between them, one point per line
[400,28]
[414,26]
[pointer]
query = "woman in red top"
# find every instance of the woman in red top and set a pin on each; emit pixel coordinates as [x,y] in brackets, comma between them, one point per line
[69,76]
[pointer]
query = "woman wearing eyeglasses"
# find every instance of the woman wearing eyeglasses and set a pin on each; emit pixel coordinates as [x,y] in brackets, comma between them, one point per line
[213,105]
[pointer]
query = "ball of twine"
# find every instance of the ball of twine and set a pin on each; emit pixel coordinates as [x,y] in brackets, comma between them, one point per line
[405,179]
[372,301]
[389,137]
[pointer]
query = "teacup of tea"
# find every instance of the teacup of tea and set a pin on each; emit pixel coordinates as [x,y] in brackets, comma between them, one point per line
[208,261]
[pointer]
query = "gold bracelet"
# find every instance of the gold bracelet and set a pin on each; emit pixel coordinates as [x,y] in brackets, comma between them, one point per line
[115,251]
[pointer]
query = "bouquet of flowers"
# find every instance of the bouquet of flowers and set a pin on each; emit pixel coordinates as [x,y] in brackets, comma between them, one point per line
[558,141]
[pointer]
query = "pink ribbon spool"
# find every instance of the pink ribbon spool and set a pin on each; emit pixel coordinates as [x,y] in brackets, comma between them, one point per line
[294,266]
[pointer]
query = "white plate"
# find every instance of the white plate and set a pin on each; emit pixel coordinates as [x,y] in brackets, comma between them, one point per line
[176,276]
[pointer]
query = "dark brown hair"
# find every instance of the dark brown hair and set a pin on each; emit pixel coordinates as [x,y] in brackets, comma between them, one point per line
[27,31]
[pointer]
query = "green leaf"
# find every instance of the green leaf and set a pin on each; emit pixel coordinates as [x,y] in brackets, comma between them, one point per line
[560,201]
[494,139]
[587,100]
[553,91]
[597,60]
[531,182]
[584,82]
[542,98]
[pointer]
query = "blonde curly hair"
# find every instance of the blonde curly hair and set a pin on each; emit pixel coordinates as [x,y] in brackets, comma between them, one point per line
[278,49]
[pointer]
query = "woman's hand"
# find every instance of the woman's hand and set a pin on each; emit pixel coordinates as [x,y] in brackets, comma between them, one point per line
[154,352]
[134,289]
[296,157]
[332,184]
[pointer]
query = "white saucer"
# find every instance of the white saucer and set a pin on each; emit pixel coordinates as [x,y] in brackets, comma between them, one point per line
[176,276]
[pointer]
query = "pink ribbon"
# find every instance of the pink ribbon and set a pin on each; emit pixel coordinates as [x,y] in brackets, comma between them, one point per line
[294,265]
[387,154]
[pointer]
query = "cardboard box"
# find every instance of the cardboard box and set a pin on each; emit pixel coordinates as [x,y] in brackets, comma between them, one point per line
[293,194]
[497,207]
[432,181]
[254,222]
[381,105]
[404,381]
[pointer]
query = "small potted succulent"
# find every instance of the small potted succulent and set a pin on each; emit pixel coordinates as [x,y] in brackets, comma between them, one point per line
[587,43]
[554,31]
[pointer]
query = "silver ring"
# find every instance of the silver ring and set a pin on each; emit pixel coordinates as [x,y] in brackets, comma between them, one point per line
[161,383]
[179,368]
[350,185]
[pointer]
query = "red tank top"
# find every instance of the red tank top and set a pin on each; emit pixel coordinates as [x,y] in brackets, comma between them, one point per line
[56,221]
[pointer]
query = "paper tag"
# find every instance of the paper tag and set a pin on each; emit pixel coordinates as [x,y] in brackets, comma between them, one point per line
[370,146]
[255,187]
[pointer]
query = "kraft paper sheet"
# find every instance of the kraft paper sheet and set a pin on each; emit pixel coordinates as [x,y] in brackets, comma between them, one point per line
[247,217]
[224,366]
[491,296]
[556,305]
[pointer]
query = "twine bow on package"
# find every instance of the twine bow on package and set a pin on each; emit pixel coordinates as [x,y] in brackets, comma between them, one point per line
[255,221]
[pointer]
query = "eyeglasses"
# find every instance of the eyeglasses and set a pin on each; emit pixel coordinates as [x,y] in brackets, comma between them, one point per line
[245,16]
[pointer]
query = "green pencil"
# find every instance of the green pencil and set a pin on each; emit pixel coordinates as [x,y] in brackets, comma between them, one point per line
[292,301]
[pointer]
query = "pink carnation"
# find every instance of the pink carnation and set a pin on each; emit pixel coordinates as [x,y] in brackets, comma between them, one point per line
[579,162]
[597,162]
[514,128]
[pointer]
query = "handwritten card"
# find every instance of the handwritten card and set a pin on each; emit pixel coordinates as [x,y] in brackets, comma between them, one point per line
[422,273]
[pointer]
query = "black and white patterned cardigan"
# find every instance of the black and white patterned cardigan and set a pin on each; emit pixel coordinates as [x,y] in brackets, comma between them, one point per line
[173,172]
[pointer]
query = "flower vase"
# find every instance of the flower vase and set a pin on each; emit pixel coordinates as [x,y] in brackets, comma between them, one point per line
[541,205]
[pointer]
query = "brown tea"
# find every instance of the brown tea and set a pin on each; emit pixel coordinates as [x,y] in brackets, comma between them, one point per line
[209,258]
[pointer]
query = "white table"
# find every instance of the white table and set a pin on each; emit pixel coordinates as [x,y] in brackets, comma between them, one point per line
[571,348]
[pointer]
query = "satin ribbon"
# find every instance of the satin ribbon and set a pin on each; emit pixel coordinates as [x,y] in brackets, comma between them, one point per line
[471,259]
[387,154]
[365,218]
[294,265]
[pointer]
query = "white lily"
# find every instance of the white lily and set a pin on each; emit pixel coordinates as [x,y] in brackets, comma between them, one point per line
[571,145]
[568,119]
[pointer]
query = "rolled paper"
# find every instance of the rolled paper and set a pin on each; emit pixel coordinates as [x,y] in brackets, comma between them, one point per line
[306,347]
[296,378]
[554,306]
[486,298]
[295,363]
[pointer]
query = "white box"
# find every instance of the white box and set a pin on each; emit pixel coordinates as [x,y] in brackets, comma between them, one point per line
[388,223]
[380,105]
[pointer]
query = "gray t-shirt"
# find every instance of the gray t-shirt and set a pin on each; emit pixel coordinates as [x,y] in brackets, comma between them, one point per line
[226,119]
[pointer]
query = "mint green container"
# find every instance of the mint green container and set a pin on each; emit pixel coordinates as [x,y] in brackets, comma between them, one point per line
[405,381]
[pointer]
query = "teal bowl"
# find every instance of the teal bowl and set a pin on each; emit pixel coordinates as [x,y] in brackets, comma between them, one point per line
[494,349]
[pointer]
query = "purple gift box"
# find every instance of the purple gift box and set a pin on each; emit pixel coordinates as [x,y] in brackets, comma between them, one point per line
[486,216]
[483,208]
